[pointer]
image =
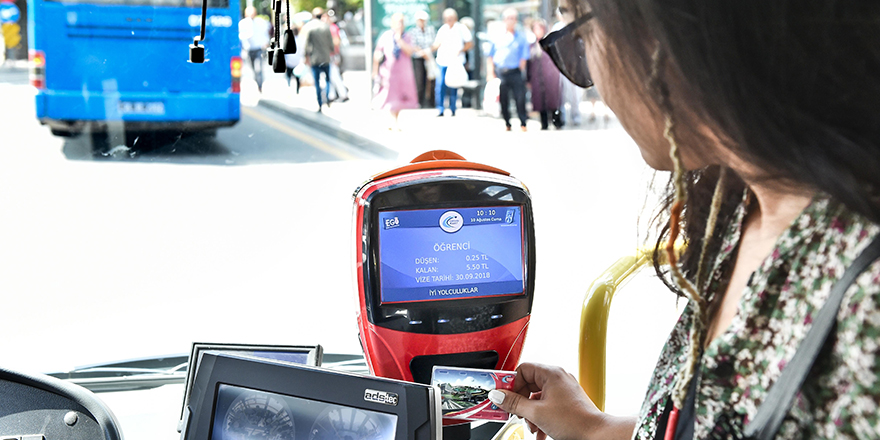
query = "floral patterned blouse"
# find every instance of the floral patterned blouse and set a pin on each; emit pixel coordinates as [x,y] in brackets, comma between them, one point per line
[841,396]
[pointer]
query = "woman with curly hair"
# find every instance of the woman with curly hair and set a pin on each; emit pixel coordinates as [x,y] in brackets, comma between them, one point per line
[767,114]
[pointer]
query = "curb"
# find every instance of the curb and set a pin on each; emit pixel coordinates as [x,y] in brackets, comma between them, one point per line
[331,127]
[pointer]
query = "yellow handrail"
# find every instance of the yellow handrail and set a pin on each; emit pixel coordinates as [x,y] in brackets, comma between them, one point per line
[594,320]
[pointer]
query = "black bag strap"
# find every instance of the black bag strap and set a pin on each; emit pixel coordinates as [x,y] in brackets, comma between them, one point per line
[772,411]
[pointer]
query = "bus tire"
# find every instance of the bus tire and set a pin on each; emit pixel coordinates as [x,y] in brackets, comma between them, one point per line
[63,133]
[100,144]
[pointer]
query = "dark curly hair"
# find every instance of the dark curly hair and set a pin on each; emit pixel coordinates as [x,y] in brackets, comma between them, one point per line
[790,86]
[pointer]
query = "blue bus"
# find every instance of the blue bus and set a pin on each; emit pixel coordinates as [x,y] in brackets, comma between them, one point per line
[100,63]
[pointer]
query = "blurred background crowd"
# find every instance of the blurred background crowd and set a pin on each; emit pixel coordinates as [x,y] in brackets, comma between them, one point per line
[427,54]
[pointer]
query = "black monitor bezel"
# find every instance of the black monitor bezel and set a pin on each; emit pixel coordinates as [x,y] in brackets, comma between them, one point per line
[315,354]
[397,316]
[418,409]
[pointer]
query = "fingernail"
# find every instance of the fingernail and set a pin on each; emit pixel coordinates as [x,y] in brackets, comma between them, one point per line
[497,397]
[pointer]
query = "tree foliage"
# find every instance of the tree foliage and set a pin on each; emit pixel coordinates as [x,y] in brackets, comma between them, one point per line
[342,6]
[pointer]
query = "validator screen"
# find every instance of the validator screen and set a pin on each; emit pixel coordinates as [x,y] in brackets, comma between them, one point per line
[440,254]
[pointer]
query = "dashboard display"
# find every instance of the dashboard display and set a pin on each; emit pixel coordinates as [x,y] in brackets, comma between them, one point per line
[247,414]
[296,354]
[440,254]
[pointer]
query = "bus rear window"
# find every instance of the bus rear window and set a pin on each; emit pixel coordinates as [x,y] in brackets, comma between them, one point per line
[172,3]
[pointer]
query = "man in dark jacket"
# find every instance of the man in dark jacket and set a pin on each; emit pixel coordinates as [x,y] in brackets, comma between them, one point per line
[318,46]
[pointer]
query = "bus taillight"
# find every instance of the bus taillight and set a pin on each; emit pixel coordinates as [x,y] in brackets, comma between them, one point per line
[37,59]
[235,68]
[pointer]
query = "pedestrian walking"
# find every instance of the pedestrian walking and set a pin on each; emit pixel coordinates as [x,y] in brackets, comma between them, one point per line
[452,41]
[570,106]
[469,93]
[253,32]
[293,60]
[397,84]
[543,79]
[507,59]
[317,49]
[336,88]
[422,36]
[572,95]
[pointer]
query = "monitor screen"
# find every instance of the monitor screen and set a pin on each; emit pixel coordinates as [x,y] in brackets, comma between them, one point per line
[452,253]
[296,354]
[247,414]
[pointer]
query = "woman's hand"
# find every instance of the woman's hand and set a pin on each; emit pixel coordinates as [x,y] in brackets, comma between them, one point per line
[554,404]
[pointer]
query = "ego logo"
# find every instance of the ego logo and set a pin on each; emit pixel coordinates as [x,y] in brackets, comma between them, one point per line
[382,397]
[392,223]
[451,221]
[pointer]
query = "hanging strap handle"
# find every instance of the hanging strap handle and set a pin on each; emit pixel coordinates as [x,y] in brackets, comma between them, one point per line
[772,411]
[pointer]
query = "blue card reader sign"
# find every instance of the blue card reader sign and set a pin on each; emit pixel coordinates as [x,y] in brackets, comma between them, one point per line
[440,254]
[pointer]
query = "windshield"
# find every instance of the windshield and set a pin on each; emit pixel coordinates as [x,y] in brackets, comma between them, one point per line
[148,202]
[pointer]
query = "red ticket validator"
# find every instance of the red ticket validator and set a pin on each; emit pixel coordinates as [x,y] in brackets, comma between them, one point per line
[464,392]
[444,260]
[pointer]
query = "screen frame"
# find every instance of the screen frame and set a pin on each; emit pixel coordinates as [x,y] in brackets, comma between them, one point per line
[418,407]
[468,192]
[314,356]
[523,262]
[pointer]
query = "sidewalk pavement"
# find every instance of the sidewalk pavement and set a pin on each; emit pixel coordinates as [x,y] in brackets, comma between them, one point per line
[421,129]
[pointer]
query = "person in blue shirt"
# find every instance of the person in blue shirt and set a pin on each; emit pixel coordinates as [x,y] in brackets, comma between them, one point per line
[507,61]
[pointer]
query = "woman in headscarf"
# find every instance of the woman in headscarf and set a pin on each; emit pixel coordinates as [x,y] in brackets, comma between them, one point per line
[393,66]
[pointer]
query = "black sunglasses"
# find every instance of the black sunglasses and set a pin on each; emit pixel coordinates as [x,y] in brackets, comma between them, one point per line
[566,49]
